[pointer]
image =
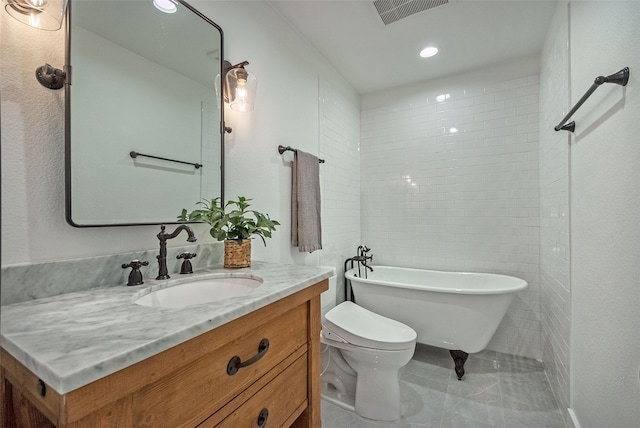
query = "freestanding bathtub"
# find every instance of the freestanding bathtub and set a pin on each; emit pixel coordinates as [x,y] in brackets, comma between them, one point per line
[458,311]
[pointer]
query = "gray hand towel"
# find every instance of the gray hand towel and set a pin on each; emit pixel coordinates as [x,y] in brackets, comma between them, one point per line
[306,230]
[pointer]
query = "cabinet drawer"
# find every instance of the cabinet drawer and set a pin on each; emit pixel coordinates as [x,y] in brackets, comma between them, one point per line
[279,399]
[194,391]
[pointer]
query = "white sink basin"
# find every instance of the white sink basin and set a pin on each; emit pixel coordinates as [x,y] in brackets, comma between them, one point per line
[199,291]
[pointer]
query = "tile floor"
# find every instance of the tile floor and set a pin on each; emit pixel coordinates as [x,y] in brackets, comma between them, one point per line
[498,390]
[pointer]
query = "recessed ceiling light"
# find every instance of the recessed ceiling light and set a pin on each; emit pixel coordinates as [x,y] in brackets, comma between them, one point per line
[166,6]
[428,52]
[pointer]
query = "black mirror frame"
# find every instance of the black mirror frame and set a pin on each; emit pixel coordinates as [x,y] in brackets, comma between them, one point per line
[67,114]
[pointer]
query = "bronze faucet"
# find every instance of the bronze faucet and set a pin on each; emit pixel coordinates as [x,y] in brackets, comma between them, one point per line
[163,273]
[361,259]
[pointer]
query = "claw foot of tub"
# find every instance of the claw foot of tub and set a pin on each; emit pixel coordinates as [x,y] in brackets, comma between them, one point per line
[459,358]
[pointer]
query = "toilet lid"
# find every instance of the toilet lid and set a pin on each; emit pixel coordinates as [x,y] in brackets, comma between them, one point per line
[361,327]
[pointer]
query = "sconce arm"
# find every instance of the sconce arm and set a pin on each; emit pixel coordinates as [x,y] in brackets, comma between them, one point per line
[227,65]
[51,77]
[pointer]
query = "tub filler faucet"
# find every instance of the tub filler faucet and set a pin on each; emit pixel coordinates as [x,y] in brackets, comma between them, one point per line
[363,250]
[361,259]
[163,273]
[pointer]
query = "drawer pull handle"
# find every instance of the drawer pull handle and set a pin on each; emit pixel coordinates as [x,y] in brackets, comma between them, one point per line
[235,363]
[42,388]
[262,417]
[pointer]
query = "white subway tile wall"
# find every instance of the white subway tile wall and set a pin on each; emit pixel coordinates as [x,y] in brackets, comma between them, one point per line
[554,207]
[449,179]
[339,177]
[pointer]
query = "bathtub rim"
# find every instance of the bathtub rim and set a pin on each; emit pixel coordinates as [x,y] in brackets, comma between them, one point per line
[519,284]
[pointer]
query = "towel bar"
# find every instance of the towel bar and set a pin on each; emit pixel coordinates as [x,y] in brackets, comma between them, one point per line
[282,149]
[620,78]
[135,154]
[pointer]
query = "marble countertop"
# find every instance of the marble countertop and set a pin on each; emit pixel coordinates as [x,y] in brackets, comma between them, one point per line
[73,339]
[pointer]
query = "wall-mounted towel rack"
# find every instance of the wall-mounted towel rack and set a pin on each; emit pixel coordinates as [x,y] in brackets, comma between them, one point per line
[619,78]
[135,154]
[282,149]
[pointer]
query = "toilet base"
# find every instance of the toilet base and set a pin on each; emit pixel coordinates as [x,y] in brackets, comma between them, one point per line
[375,392]
[331,395]
[378,395]
[366,410]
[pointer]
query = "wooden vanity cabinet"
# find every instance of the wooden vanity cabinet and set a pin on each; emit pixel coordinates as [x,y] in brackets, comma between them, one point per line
[189,384]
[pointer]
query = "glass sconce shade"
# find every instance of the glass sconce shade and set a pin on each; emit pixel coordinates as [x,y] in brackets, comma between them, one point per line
[241,88]
[42,14]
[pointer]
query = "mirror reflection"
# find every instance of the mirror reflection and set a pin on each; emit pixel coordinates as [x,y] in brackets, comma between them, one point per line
[144,81]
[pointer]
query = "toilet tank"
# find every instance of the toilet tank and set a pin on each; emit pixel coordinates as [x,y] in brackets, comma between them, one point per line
[328,298]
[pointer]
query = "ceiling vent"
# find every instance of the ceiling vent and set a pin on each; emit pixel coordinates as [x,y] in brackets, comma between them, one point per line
[394,10]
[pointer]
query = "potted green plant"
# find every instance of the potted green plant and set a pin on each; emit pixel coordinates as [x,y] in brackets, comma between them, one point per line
[234,224]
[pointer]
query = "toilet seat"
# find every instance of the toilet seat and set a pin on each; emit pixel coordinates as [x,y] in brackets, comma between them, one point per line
[354,324]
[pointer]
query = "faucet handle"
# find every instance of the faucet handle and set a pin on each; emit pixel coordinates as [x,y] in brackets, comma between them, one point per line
[365,250]
[186,264]
[186,256]
[135,276]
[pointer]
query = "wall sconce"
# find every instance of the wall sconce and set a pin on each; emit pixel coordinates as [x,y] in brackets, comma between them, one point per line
[239,86]
[42,14]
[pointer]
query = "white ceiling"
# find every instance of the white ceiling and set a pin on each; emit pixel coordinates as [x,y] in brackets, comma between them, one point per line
[373,56]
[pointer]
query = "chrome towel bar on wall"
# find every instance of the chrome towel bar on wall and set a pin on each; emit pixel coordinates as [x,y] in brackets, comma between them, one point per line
[620,78]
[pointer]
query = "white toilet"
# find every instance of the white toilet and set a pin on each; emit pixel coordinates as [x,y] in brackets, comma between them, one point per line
[361,356]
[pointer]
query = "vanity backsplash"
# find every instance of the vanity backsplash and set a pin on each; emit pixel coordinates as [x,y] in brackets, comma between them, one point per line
[21,283]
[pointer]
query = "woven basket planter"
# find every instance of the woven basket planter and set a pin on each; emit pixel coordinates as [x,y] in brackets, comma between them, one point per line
[237,255]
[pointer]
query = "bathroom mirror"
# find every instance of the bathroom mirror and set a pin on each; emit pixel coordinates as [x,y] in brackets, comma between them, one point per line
[143,134]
